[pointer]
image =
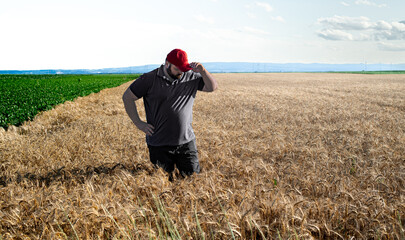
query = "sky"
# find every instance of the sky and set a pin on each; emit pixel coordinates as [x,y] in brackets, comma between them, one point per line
[92,34]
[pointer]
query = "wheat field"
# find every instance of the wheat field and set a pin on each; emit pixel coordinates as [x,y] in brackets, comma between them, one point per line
[283,156]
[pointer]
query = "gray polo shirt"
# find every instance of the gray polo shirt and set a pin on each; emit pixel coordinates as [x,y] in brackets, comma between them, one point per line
[168,105]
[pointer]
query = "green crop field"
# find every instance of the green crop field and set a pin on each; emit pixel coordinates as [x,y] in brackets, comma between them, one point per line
[24,96]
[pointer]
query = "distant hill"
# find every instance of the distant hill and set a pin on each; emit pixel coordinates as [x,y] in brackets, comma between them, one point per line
[225,67]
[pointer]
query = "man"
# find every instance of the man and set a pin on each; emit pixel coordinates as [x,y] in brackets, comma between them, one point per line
[168,93]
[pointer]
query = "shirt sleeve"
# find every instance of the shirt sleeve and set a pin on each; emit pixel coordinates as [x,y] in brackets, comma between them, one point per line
[140,86]
[201,84]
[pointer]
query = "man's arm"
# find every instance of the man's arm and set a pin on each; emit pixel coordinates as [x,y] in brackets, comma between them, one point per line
[210,83]
[129,99]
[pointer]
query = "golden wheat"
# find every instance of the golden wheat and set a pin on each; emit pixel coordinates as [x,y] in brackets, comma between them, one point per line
[290,156]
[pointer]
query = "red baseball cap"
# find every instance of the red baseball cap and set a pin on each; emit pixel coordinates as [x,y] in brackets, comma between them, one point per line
[178,58]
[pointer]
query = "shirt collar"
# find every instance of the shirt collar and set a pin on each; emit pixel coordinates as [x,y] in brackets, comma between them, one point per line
[162,72]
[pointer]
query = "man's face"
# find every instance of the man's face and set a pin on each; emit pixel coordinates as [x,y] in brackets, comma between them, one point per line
[173,71]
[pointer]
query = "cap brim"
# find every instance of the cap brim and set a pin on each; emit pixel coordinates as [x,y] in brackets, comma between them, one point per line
[185,68]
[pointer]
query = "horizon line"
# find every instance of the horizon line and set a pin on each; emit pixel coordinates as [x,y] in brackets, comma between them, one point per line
[235,62]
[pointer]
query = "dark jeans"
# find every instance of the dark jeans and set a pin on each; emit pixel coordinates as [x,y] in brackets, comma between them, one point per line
[184,157]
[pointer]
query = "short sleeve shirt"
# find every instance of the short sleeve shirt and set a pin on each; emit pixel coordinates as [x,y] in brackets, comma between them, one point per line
[168,105]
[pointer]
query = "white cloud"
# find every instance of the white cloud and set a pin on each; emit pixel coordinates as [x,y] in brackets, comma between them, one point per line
[400,26]
[360,29]
[345,4]
[204,19]
[265,6]
[278,18]
[368,3]
[334,34]
[393,31]
[251,15]
[391,46]
[255,31]
[383,25]
[346,23]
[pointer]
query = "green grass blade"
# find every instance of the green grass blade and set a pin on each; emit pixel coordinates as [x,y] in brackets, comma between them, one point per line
[198,224]
[226,217]
[71,225]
